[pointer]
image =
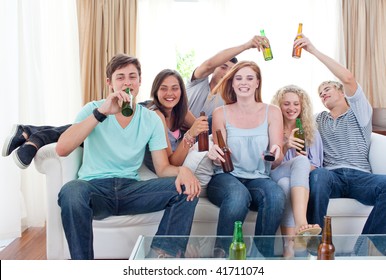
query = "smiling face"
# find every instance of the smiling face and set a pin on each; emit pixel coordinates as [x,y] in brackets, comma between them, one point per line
[245,82]
[290,106]
[169,92]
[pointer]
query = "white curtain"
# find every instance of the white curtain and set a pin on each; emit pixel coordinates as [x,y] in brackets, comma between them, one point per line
[40,79]
[208,26]
[155,40]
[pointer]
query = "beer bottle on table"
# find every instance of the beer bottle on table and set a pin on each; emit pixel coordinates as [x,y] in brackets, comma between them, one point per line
[297,52]
[326,250]
[227,166]
[267,52]
[203,139]
[300,134]
[238,249]
[127,109]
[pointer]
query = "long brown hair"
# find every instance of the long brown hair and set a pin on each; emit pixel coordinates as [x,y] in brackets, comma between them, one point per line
[225,85]
[180,110]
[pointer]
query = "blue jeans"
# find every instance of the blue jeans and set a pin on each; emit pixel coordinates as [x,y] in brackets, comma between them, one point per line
[367,188]
[82,201]
[236,196]
[44,135]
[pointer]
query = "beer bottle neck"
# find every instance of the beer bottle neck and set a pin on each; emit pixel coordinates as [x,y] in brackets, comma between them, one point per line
[220,139]
[238,233]
[327,234]
[299,124]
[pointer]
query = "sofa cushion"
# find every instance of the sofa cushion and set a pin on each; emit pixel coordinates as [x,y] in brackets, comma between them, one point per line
[348,207]
[124,221]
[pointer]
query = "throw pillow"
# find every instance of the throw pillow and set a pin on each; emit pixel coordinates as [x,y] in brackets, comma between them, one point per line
[200,165]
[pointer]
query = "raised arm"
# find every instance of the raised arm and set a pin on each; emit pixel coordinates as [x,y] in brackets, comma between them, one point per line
[343,74]
[209,65]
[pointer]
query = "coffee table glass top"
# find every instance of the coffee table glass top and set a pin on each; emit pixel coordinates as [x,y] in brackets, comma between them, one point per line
[271,247]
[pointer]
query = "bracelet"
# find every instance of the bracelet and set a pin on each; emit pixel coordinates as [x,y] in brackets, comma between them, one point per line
[189,139]
[98,115]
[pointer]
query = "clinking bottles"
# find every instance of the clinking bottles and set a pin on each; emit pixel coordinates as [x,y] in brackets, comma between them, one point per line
[267,52]
[127,109]
[227,166]
[203,139]
[238,249]
[297,52]
[326,250]
[300,134]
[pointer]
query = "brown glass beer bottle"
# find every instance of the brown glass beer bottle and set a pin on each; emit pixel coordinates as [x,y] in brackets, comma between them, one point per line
[203,139]
[297,52]
[227,166]
[326,250]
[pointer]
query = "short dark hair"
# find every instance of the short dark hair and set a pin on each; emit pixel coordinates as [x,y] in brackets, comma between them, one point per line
[234,60]
[119,61]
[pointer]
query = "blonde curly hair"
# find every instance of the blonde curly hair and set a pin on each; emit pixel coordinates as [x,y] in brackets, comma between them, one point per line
[306,114]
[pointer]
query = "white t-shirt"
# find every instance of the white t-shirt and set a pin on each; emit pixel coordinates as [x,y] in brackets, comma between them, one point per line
[200,99]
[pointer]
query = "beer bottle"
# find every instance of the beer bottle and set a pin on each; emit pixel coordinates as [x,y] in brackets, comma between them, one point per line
[297,52]
[238,249]
[326,250]
[227,166]
[203,139]
[127,109]
[300,134]
[267,52]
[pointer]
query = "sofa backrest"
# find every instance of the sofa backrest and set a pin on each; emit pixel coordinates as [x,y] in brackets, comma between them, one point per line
[376,156]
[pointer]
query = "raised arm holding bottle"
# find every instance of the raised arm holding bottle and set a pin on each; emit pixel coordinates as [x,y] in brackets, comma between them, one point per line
[200,89]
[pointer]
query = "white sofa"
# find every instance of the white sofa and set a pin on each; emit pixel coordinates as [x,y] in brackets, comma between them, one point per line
[114,237]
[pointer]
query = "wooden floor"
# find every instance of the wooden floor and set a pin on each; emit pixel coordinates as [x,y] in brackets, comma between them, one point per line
[30,246]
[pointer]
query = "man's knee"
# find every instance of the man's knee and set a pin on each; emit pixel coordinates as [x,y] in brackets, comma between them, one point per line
[71,192]
[319,182]
[318,176]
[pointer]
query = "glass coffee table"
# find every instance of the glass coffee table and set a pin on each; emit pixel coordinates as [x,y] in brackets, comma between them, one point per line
[304,247]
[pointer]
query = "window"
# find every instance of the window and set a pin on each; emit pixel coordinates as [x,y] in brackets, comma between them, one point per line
[206,27]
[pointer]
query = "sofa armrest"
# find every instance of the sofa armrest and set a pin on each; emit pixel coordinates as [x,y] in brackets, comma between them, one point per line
[58,171]
[48,162]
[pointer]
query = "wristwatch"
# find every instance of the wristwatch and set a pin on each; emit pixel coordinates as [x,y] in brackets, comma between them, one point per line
[98,115]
